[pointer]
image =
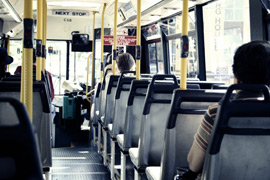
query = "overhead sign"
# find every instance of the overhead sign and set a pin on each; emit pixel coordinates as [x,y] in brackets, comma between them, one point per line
[70,13]
[121,40]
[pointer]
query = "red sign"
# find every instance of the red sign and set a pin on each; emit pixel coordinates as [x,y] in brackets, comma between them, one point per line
[121,40]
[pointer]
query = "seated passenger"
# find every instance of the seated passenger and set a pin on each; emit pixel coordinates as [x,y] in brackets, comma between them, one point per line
[4,61]
[251,66]
[19,69]
[124,62]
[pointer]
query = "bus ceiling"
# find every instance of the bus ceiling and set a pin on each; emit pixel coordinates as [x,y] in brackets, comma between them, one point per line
[68,12]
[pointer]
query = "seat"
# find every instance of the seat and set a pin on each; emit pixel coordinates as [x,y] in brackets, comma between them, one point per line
[118,119]
[95,115]
[101,108]
[19,155]
[131,132]
[186,113]
[153,123]
[133,114]
[41,115]
[108,116]
[240,140]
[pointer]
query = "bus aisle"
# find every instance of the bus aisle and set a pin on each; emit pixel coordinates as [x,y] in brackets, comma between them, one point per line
[78,162]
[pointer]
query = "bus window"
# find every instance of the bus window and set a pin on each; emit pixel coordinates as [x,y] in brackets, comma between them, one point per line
[226,27]
[172,27]
[15,52]
[156,58]
[78,68]
[56,63]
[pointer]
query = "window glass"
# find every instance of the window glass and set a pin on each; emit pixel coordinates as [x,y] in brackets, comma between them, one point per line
[175,57]
[56,63]
[151,32]
[15,51]
[152,58]
[174,25]
[226,27]
[156,58]
[78,67]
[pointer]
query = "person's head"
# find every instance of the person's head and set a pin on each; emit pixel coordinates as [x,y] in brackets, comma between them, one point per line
[252,63]
[125,62]
[4,61]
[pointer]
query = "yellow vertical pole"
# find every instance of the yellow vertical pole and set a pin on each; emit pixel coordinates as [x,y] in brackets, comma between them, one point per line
[185,46]
[87,76]
[44,35]
[28,56]
[115,36]
[93,53]
[138,47]
[39,39]
[8,49]
[102,42]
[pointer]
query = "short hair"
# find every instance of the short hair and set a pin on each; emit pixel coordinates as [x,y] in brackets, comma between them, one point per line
[125,62]
[252,63]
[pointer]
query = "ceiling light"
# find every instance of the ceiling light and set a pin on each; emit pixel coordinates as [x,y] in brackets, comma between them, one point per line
[12,11]
[73,4]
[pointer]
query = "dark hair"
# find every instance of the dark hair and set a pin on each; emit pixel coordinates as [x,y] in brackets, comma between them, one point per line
[252,63]
[125,62]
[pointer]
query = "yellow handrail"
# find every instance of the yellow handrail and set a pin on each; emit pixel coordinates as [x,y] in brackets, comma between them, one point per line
[184,54]
[28,56]
[91,92]
[102,43]
[44,35]
[86,91]
[39,39]
[114,36]
[138,47]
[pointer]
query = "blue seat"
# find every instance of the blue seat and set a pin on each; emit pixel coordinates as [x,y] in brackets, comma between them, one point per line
[186,113]
[240,140]
[19,155]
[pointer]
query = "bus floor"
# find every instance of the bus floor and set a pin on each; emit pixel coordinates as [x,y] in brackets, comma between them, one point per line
[79,162]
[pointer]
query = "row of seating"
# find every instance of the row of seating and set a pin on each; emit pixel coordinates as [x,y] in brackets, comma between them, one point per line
[139,111]
[27,154]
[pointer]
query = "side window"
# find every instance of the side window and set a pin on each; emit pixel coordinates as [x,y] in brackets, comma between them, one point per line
[226,27]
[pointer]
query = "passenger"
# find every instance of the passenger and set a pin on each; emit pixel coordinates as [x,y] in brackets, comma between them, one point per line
[4,61]
[124,62]
[19,69]
[251,66]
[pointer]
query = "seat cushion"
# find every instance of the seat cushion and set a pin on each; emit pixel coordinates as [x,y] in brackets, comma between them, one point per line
[153,172]
[134,153]
[120,140]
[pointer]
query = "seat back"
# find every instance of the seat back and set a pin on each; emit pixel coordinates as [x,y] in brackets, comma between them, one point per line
[41,114]
[240,140]
[121,98]
[19,155]
[153,124]
[186,113]
[110,99]
[134,111]
[96,105]
[104,86]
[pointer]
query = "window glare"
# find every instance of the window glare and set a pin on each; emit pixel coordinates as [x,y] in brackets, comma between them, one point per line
[226,27]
